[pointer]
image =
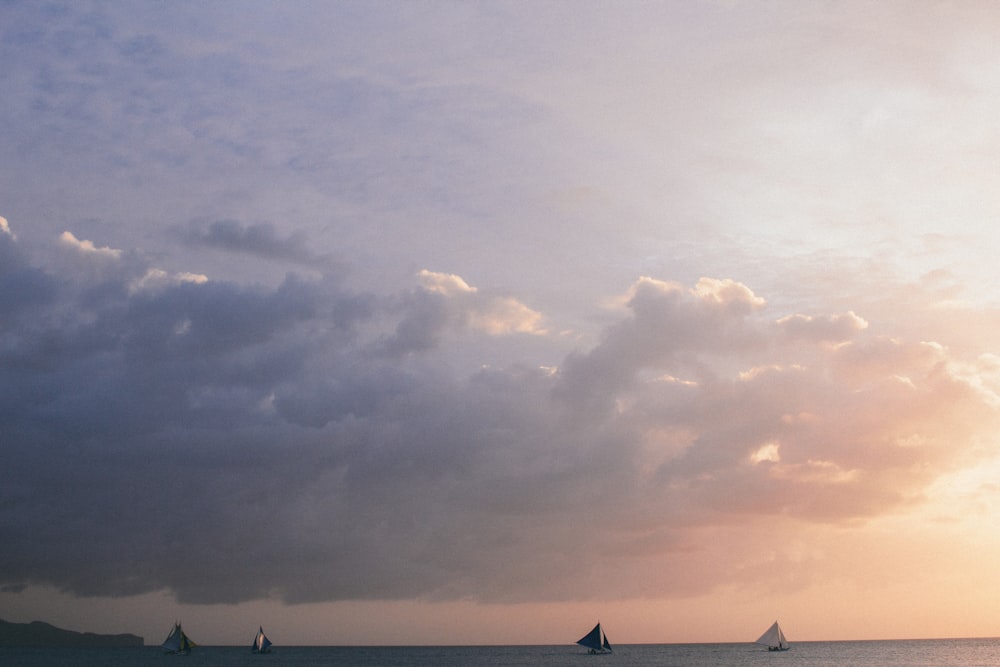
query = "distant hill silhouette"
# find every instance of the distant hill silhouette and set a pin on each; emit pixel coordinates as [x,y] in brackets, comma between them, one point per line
[37,633]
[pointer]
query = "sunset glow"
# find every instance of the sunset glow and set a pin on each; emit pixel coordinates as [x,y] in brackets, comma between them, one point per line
[408,323]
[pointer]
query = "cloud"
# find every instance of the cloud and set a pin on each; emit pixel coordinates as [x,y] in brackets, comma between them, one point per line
[158,278]
[446,302]
[834,328]
[491,314]
[670,327]
[229,442]
[447,284]
[24,289]
[88,247]
[260,240]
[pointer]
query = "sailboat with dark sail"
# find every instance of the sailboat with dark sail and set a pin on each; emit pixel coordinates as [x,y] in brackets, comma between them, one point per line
[774,639]
[261,644]
[596,641]
[177,643]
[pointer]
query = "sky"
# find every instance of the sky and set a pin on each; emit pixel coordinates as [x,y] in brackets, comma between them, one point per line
[476,323]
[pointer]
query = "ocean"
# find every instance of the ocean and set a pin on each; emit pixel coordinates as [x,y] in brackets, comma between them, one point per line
[894,653]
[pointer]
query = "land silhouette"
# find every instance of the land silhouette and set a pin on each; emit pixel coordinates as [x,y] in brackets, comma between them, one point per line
[42,634]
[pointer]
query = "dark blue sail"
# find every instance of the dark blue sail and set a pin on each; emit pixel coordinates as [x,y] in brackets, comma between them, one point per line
[595,640]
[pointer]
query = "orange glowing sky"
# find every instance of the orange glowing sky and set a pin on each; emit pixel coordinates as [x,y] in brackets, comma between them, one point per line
[455,323]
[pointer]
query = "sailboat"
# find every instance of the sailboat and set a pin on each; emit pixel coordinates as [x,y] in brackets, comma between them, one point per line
[774,639]
[261,644]
[177,642]
[596,641]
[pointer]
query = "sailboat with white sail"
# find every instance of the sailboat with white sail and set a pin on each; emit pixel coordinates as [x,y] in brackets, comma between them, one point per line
[774,639]
[177,643]
[596,641]
[261,644]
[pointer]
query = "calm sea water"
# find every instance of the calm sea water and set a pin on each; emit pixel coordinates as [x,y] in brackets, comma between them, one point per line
[911,653]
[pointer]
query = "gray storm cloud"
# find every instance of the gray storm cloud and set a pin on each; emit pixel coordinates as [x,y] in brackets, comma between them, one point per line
[304,441]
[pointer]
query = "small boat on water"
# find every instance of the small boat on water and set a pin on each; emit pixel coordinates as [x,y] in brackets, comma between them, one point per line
[261,644]
[774,639]
[596,641]
[177,643]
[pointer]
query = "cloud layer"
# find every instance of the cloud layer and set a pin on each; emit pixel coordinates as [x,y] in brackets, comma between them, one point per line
[475,316]
[305,441]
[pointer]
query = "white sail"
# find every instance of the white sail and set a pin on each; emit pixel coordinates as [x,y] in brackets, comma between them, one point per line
[177,641]
[773,638]
[261,644]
